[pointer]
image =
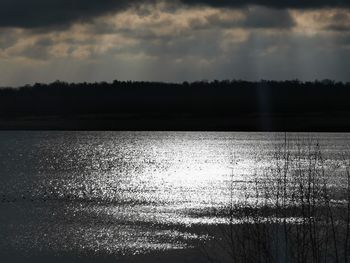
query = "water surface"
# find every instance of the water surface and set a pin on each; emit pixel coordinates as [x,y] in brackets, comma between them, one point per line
[128,192]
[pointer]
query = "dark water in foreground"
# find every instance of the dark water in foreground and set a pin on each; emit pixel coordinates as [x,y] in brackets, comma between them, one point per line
[127,193]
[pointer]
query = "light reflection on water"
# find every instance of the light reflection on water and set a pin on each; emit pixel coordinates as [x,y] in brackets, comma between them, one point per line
[126,192]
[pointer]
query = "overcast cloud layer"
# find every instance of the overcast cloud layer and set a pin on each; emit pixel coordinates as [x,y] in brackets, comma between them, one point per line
[81,40]
[43,13]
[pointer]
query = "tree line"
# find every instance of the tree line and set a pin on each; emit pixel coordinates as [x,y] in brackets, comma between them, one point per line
[272,102]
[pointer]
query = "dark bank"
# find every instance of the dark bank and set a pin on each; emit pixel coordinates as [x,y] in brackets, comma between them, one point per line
[198,106]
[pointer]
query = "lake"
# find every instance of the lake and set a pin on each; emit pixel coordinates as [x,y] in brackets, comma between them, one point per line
[129,194]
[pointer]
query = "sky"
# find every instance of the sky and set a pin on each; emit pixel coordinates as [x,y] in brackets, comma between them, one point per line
[173,41]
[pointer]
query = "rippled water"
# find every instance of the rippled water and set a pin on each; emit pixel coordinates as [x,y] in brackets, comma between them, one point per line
[126,192]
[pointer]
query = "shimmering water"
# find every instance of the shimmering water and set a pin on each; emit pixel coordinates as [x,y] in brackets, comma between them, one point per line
[126,192]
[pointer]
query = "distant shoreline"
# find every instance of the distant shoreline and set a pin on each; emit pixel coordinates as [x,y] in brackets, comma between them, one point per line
[320,106]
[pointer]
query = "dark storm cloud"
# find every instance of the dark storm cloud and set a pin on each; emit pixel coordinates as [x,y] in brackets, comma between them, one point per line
[300,4]
[53,13]
[46,13]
